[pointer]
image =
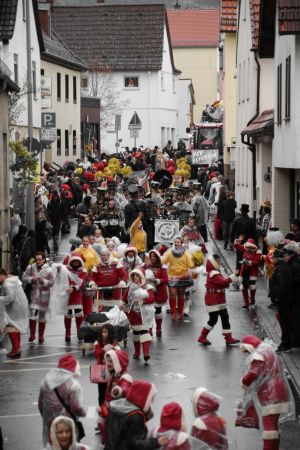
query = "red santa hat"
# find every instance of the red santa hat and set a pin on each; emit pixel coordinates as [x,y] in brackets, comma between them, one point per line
[204,402]
[162,248]
[141,393]
[211,264]
[250,244]
[76,257]
[250,343]
[70,363]
[119,360]
[172,418]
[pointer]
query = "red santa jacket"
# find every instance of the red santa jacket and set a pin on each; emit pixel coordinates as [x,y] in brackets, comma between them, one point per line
[254,259]
[100,350]
[161,281]
[266,375]
[120,380]
[106,275]
[216,283]
[77,279]
[135,311]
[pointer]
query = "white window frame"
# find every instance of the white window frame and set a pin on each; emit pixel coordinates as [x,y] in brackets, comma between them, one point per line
[131,88]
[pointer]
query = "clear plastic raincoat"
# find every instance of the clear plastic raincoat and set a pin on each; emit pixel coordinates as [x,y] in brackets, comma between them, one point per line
[13,304]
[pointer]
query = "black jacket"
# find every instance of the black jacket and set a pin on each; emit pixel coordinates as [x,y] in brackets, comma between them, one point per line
[281,284]
[126,428]
[294,265]
[244,225]
[229,207]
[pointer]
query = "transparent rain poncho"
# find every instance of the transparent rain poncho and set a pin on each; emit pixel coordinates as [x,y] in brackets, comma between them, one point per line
[59,298]
[13,304]
[179,440]
[267,390]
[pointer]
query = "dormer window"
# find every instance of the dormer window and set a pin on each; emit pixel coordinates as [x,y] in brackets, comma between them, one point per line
[131,82]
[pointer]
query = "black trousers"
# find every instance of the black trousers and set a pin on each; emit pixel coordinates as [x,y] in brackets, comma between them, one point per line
[213,318]
[203,232]
[286,323]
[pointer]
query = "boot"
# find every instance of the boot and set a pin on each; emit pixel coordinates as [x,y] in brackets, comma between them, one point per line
[180,307]
[158,327]
[42,326]
[246,298]
[252,297]
[202,338]
[146,350]
[172,301]
[68,322]
[78,321]
[15,339]
[32,327]
[229,339]
[137,349]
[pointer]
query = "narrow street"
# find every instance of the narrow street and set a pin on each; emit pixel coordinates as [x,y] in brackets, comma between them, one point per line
[178,365]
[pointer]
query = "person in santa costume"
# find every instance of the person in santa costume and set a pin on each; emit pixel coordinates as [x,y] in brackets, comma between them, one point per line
[179,263]
[138,306]
[249,269]
[267,387]
[126,425]
[13,310]
[61,379]
[173,427]
[63,435]
[157,274]
[209,426]
[40,277]
[215,301]
[109,273]
[118,383]
[131,259]
[77,276]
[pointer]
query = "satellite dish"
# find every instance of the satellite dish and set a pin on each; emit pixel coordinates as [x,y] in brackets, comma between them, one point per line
[163,178]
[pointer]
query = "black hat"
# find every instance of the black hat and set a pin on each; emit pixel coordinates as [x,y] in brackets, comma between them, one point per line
[245,207]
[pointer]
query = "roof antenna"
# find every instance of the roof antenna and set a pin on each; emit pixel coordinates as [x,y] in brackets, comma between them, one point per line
[177,6]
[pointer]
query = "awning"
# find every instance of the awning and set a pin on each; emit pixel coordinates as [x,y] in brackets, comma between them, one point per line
[263,125]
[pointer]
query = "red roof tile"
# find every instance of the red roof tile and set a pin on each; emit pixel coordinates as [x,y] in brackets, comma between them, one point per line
[263,124]
[194,27]
[228,16]
[289,16]
[255,17]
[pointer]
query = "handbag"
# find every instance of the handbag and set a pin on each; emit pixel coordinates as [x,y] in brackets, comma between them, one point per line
[98,374]
[78,424]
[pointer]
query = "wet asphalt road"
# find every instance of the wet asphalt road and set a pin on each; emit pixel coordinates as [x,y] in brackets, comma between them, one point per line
[178,365]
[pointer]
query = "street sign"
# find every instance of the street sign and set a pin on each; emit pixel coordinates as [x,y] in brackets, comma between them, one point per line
[117,144]
[135,123]
[134,133]
[117,122]
[48,120]
[48,134]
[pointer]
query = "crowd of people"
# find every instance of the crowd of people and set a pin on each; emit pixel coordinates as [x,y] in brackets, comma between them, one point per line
[116,262]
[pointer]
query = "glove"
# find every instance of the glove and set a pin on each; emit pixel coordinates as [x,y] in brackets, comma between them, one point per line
[122,284]
[233,278]
[246,261]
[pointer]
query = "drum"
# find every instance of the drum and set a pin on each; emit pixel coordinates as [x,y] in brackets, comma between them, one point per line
[104,222]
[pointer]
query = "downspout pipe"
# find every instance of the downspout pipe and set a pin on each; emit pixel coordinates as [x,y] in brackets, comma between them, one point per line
[250,145]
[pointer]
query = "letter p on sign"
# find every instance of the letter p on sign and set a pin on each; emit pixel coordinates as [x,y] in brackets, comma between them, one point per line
[48,120]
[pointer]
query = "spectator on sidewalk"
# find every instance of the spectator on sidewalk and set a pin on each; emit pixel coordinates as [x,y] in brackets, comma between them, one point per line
[243,228]
[295,229]
[201,209]
[229,206]
[55,213]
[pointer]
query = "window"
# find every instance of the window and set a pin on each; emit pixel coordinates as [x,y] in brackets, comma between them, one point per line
[34,78]
[131,82]
[279,93]
[74,142]
[24,9]
[288,88]
[42,72]
[16,69]
[162,81]
[67,87]
[67,142]
[58,79]
[74,90]
[84,83]
[58,152]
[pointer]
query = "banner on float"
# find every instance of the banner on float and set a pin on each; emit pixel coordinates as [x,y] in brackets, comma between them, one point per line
[166,230]
[205,157]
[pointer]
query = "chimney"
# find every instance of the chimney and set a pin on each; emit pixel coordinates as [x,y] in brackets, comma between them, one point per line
[45,17]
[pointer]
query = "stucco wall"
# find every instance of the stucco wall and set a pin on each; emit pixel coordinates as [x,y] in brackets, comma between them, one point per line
[4,177]
[229,89]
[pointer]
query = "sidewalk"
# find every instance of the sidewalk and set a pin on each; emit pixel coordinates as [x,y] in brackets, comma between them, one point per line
[266,318]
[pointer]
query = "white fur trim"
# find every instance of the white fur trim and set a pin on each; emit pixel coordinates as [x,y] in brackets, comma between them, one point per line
[214,262]
[182,438]
[227,331]
[158,281]
[77,372]
[115,361]
[212,308]
[149,274]
[149,398]
[197,394]
[127,377]
[257,356]
[276,408]
[119,265]
[208,327]
[141,293]
[199,424]
[145,337]
[270,435]
[213,273]
[136,337]
[247,348]
[252,278]
[138,272]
